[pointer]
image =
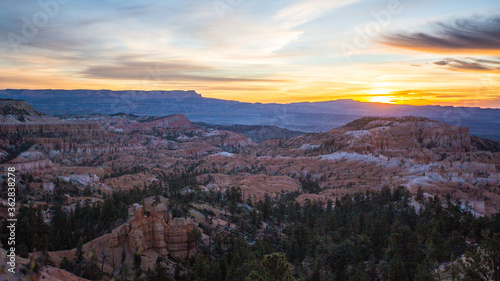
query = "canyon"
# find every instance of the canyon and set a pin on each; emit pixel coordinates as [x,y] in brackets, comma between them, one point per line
[88,158]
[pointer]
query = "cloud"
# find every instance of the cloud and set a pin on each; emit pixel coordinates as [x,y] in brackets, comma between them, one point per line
[305,11]
[466,35]
[469,64]
[159,71]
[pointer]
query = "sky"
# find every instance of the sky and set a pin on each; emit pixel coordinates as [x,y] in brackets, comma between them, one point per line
[444,52]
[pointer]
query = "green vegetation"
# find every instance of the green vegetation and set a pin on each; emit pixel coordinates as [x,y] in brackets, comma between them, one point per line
[367,236]
[68,225]
[371,236]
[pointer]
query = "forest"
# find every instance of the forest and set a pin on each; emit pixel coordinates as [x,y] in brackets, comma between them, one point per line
[377,235]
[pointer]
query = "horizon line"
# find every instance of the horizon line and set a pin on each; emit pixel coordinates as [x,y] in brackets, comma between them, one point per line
[282,103]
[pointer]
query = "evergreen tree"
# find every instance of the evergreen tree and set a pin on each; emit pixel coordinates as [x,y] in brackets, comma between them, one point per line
[483,263]
[275,267]
[137,263]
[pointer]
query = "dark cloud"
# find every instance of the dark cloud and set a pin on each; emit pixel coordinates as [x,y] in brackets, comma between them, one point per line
[442,62]
[488,61]
[468,34]
[469,64]
[159,71]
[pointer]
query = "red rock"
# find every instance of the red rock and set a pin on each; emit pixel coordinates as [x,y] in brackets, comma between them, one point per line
[158,232]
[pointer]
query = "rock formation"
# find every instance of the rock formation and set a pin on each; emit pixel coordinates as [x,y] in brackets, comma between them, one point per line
[176,121]
[17,116]
[30,166]
[380,134]
[19,111]
[158,231]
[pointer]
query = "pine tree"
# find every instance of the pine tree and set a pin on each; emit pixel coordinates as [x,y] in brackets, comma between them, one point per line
[137,263]
[79,252]
[159,273]
[275,267]
[484,262]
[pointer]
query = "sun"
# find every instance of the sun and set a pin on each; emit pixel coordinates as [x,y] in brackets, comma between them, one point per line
[381,95]
[378,91]
[382,99]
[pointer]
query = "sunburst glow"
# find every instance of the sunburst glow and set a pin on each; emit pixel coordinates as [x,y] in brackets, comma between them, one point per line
[382,99]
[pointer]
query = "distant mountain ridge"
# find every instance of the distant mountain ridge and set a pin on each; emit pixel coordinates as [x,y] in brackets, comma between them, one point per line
[303,116]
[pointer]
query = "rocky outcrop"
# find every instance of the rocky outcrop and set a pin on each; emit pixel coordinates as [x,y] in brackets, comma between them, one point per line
[19,111]
[9,105]
[176,121]
[178,238]
[485,144]
[373,135]
[17,116]
[158,231]
[256,133]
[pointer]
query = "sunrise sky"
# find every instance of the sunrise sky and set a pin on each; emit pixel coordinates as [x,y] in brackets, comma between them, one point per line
[443,52]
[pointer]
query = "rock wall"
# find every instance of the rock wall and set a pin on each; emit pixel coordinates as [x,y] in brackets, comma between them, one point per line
[158,232]
[31,166]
